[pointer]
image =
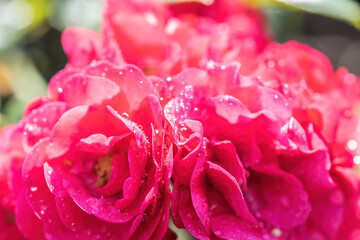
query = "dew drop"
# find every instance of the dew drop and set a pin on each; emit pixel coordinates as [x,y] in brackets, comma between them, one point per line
[356,160]
[276,232]
[352,145]
[33,189]
[210,65]
[144,178]
[271,64]
[125,115]
[281,63]
[168,79]
[51,188]
[151,18]
[30,128]
[60,90]
[171,26]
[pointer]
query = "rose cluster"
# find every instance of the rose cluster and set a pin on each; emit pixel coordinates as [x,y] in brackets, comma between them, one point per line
[189,111]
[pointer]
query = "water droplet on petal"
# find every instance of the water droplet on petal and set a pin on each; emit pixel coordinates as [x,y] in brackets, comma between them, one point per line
[144,178]
[352,145]
[276,232]
[33,189]
[281,63]
[125,115]
[151,18]
[271,64]
[356,160]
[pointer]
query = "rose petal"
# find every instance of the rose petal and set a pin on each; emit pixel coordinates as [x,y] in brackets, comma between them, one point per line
[277,197]
[27,222]
[81,45]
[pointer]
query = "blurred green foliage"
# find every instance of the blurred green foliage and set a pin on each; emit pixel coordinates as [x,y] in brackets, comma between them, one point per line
[344,10]
[30,43]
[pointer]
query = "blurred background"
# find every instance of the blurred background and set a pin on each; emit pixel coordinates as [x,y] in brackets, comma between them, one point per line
[31,53]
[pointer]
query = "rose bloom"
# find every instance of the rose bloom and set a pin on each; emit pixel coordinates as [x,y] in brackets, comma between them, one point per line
[245,168]
[90,160]
[329,99]
[164,39]
[267,156]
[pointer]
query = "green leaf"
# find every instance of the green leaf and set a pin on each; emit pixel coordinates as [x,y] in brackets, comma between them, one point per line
[345,10]
[40,11]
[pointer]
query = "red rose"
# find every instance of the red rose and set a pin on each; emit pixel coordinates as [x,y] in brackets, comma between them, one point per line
[77,168]
[245,168]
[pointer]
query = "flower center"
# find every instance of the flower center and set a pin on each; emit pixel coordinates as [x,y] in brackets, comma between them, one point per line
[103,170]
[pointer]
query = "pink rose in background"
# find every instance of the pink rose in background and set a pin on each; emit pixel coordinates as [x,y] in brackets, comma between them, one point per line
[163,40]
[318,94]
